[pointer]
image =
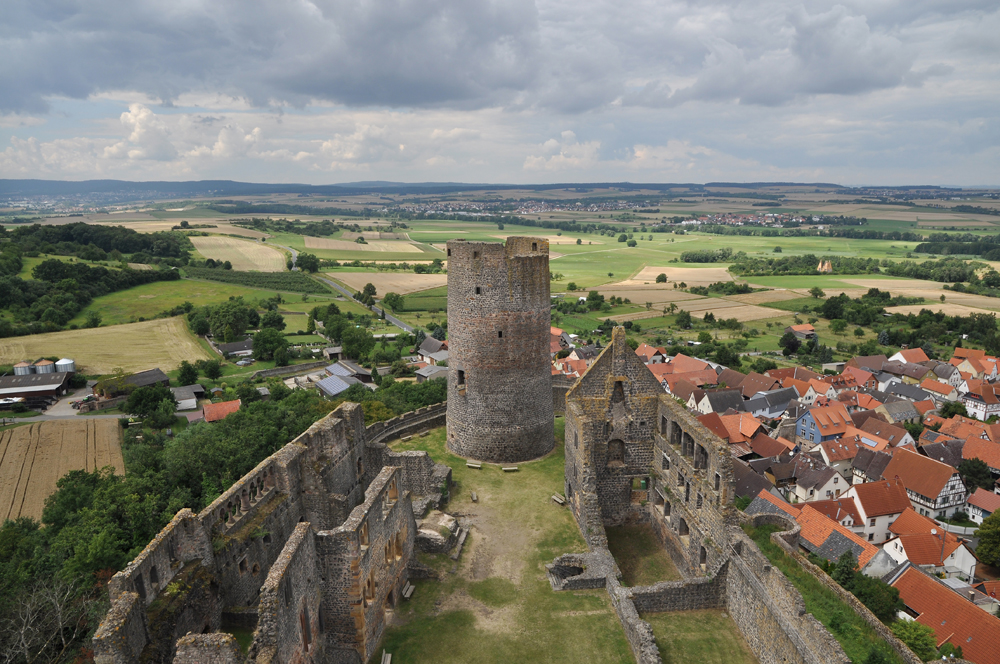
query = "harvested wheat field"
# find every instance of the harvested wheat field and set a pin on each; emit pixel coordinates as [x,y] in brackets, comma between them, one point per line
[373,235]
[245,255]
[389,282]
[723,308]
[140,266]
[398,246]
[948,308]
[763,297]
[162,343]
[645,294]
[33,457]
[555,239]
[692,276]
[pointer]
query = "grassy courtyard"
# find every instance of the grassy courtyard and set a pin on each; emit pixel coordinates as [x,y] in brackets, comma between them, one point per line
[708,636]
[640,557]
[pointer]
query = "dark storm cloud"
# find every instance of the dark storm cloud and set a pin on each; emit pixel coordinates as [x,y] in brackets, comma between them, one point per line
[557,55]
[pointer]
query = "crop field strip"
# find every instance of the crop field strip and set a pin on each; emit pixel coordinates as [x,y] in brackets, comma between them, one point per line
[245,255]
[34,457]
[159,343]
[391,282]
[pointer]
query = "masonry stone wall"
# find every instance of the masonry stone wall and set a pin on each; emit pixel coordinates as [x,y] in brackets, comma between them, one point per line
[207,649]
[685,595]
[223,558]
[500,403]
[288,626]
[560,386]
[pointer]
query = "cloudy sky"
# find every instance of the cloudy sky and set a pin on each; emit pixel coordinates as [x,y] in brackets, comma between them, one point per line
[323,91]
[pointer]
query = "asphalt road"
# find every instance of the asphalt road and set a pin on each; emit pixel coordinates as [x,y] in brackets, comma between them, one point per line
[392,319]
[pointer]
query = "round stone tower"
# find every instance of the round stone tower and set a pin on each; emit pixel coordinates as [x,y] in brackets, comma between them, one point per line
[500,378]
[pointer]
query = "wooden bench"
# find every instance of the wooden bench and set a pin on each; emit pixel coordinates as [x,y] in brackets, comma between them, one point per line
[386,658]
[477,466]
[404,439]
[510,469]
[425,434]
[408,590]
[475,498]
[558,499]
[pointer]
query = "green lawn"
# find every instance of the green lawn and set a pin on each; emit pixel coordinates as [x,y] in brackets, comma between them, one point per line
[855,635]
[704,637]
[498,606]
[640,556]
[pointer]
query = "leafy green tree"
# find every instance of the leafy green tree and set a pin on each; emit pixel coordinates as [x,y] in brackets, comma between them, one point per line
[777,250]
[266,342]
[308,262]
[883,338]
[838,325]
[859,332]
[726,356]
[440,333]
[988,550]
[880,598]
[919,638]
[623,238]
[789,343]
[704,337]
[93,319]
[281,357]
[272,320]
[845,570]
[816,292]
[143,401]
[187,374]
[975,474]
[418,337]
[247,392]
[231,318]
[571,286]
[164,416]
[357,342]
[683,319]
[661,278]
[394,301]
[631,243]
[311,325]
[951,408]
[211,369]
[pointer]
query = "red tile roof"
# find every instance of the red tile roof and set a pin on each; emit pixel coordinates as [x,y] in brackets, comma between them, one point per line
[969,352]
[977,448]
[937,387]
[880,498]
[919,473]
[219,411]
[699,378]
[924,407]
[741,426]
[839,450]
[713,422]
[914,355]
[805,327]
[660,369]
[838,509]
[831,420]
[817,527]
[923,538]
[784,506]
[765,446]
[953,618]
[985,499]
[683,363]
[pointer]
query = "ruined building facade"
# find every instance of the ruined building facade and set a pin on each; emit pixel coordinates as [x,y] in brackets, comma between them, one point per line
[310,549]
[499,383]
[635,455]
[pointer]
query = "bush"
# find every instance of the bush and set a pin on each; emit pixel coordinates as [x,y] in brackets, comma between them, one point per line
[661,278]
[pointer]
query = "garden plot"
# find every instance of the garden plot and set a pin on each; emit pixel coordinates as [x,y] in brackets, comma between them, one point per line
[34,457]
[244,255]
[391,282]
[397,246]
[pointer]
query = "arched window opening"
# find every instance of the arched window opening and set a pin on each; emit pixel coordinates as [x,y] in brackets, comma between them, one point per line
[616,453]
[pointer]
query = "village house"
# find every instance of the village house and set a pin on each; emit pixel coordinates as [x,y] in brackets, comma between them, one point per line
[879,505]
[982,504]
[923,542]
[719,401]
[804,331]
[771,404]
[935,489]
[823,423]
[896,412]
[213,412]
[986,451]
[868,465]
[911,355]
[939,392]
[243,348]
[895,435]
[981,399]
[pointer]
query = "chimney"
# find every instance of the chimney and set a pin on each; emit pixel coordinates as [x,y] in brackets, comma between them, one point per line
[972,596]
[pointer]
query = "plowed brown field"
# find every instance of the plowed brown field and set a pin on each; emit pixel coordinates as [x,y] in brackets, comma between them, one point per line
[34,457]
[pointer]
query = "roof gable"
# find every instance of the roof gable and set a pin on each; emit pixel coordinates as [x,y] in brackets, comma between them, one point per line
[919,473]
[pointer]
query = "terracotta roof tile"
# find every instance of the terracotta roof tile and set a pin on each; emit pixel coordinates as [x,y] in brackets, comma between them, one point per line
[817,528]
[969,352]
[914,355]
[977,448]
[838,509]
[985,499]
[953,618]
[683,363]
[918,473]
[937,387]
[219,411]
[784,506]
[880,498]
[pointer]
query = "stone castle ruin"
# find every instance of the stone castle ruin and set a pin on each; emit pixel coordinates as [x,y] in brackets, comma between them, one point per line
[634,455]
[499,383]
[310,549]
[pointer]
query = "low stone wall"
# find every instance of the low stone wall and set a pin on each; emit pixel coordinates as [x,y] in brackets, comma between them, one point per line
[428,417]
[207,649]
[290,369]
[877,625]
[560,386]
[637,631]
[688,595]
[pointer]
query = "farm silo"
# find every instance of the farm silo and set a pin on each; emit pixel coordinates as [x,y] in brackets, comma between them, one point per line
[66,365]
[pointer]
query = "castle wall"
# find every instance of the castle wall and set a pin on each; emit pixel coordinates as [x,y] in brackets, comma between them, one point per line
[364,565]
[289,616]
[500,387]
[121,636]
[207,649]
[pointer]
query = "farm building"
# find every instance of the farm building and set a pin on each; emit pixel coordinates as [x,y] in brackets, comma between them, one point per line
[237,348]
[34,386]
[112,387]
[187,396]
[431,371]
[219,411]
[331,386]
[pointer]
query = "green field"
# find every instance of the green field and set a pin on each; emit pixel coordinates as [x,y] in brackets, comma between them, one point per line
[147,300]
[707,637]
